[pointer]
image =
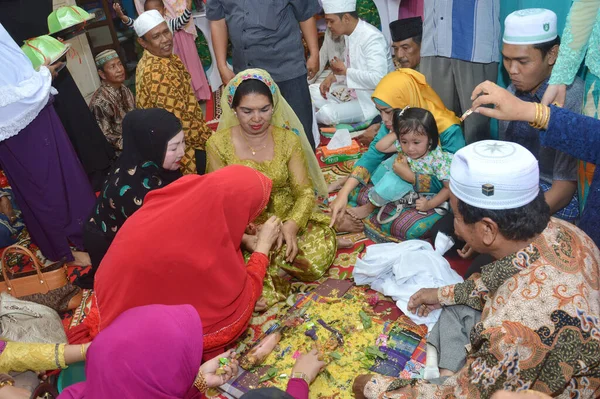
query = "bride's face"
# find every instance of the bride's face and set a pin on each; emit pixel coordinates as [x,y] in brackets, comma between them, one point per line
[254,113]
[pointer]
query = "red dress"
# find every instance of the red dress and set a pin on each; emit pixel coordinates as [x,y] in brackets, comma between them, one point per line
[183,247]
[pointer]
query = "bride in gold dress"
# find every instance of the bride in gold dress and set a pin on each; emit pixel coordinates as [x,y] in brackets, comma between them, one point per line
[260,130]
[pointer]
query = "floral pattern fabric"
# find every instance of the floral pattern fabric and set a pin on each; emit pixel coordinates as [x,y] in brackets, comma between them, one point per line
[539,328]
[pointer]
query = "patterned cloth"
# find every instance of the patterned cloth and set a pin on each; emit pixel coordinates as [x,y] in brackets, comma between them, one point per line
[539,326]
[163,82]
[10,230]
[109,106]
[292,198]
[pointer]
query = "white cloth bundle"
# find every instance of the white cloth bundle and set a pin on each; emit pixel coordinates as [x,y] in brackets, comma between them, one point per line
[400,270]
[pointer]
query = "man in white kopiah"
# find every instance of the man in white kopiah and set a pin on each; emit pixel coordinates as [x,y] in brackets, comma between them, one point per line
[345,95]
[529,320]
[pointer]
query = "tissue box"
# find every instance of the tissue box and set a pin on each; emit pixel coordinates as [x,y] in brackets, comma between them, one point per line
[341,154]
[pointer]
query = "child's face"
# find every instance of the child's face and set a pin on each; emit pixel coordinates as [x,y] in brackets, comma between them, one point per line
[156,5]
[414,144]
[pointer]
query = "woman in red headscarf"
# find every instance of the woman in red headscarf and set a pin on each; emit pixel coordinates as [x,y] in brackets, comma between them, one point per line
[183,247]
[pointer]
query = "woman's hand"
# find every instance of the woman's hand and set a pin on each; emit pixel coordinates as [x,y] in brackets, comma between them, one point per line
[249,242]
[309,364]
[555,94]
[268,235]
[290,236]
[338,208]
[424,301]
[506,106]
[209,369]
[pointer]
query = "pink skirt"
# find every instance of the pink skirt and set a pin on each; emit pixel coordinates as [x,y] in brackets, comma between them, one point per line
[185,47]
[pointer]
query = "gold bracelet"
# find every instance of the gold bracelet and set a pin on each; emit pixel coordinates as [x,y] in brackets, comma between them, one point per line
[200,382]
[546,121]
[538,115]
[83,352]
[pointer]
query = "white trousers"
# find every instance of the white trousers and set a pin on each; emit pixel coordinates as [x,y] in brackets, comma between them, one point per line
[332,111]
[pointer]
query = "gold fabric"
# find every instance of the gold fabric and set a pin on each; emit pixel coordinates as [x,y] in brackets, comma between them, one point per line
[21,356]
[165,83]
[292,198]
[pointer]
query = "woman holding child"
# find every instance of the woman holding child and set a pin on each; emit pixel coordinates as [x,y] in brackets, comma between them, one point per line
[371,186]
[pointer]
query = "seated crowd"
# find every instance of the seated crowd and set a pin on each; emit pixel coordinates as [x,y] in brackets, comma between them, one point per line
[191,231]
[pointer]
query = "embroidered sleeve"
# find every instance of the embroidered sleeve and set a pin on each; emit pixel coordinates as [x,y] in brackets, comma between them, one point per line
[583,18]
[20,356]
[573,134]
[302,189]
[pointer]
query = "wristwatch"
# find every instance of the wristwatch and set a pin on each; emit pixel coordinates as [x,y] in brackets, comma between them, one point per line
[299,374]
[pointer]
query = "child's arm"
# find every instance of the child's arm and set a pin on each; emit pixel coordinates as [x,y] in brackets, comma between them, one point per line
[182,20]
[124,18]
[423,204]
[387,144]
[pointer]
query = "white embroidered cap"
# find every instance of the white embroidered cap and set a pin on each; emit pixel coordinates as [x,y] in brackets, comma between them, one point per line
[530,26]
[338,6]
[494,174]
[147,21]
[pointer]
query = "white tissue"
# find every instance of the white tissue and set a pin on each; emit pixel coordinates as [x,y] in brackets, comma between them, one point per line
[340,139]
[443,243]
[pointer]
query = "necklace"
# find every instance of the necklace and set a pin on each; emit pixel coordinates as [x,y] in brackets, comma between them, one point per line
[254,150]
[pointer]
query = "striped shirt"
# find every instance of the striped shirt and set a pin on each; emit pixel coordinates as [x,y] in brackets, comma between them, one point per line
[174,24]
[467,30]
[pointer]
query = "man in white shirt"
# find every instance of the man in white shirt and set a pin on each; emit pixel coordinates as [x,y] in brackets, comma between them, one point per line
[345,95]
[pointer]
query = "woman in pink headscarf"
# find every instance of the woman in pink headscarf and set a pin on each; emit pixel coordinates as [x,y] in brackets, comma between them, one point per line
[152,351]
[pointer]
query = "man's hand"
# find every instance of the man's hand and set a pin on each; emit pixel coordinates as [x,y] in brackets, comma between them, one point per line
[226,74]
[466,252]
[424,301]
[326,85]
[312,65]
[337,66]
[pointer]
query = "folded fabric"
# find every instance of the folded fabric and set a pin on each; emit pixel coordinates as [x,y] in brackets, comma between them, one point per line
[400,270]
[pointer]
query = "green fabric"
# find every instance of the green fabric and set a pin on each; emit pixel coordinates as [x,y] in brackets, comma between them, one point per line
[381,103]
[570,58]
[367,11]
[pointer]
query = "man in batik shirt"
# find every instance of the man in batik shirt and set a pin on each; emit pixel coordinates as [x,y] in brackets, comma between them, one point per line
[163,82]
[113,99]
[530,320]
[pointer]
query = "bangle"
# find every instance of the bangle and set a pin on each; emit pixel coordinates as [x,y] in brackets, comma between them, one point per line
[300,375]
[83,352]
[200,382]
[547,117]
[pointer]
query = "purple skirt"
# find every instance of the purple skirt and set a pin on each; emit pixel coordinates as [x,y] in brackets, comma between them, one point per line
[49,184]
